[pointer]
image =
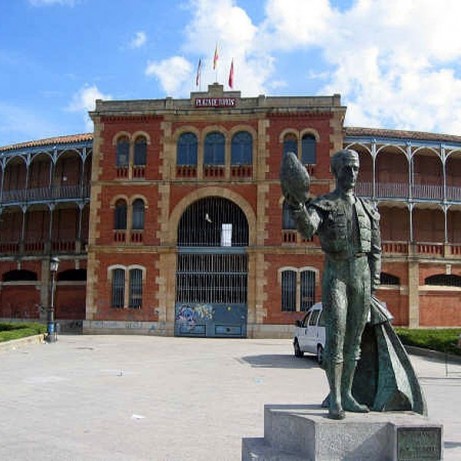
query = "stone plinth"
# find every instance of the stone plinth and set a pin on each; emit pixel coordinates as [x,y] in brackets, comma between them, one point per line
[303,432]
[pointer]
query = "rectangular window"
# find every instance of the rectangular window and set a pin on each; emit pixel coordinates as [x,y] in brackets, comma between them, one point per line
[226,235]
[288,223]
[187,150]
[118,288]
[309,155]
[307,289]
[140,153]
[214,153]
[289,291]
[135,300]
[123,152]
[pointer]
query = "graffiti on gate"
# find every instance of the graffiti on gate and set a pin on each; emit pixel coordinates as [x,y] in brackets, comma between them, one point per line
[192,314]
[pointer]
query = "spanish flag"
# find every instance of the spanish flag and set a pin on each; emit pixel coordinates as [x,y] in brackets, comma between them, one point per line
[215,57]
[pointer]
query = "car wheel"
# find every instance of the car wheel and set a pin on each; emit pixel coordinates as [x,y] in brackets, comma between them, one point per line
[298,351]
[320,354]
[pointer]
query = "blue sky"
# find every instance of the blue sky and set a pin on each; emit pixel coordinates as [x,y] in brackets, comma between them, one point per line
[394,62]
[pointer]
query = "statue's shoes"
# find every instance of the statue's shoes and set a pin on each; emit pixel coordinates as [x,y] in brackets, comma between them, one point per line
[336,412]
[350,404]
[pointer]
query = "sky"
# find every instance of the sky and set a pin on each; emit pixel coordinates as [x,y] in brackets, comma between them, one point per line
[395,63]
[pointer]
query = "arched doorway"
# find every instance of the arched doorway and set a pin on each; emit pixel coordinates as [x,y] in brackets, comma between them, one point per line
[212,268]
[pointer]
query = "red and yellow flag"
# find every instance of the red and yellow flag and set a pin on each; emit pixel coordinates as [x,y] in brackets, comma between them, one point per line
[231,74]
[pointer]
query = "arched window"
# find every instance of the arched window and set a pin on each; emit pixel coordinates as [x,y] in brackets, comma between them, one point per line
[138,214]
[448,280]
[289,290]
[288,222]
[72,275]
[123,151]
[120,215]
[135,298]
[242,149]
[290,144]
[389,279]
[214,149]
[118,288]
[187,150]
[19,275]
[307,289]
[309,151]
[140,151]
[213,222]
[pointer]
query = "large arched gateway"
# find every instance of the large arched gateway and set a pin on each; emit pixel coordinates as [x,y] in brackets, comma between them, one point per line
[211,277]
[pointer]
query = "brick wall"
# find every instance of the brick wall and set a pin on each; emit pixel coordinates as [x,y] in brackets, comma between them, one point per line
[440,308]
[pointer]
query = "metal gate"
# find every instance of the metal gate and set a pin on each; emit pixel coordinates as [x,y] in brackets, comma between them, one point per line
[212,269]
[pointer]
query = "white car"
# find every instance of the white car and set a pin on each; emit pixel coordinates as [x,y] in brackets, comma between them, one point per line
[309,334]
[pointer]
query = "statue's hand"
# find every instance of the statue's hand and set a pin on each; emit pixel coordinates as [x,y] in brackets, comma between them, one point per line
[292,202]
[375,283]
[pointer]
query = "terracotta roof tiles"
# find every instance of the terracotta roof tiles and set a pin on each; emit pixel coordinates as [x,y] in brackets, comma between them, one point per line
[57,140]
[400,134]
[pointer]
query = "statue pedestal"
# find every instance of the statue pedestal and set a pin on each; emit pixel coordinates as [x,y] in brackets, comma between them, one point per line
[303,432]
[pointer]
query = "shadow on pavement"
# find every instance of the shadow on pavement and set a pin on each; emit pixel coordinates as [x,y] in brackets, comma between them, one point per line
[452,444]
[279,361]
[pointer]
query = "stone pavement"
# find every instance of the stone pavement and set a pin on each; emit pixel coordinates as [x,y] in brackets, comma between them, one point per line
[138,398]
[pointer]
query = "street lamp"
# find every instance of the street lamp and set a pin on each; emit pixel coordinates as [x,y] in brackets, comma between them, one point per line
[51,336]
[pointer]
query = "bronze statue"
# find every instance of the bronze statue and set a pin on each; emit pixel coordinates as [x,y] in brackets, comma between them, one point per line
[348,228]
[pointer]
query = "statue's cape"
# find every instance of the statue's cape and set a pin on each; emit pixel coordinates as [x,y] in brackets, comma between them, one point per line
[385,379]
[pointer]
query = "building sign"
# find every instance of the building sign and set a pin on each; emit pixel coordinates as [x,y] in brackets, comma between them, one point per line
[215,102]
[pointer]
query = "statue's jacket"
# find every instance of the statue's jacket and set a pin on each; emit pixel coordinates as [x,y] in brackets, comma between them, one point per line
[326,217]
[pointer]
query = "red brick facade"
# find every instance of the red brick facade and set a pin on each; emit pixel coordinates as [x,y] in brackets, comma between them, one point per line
[119,247]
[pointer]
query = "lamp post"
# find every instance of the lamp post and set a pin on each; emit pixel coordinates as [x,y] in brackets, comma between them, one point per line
[51,336]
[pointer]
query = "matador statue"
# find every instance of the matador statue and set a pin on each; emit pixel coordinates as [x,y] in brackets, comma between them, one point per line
[363,372]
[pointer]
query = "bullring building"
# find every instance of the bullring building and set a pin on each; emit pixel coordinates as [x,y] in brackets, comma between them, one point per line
[169,219]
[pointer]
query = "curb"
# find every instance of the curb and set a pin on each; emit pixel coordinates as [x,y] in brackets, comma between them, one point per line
[17,343]
[442,356]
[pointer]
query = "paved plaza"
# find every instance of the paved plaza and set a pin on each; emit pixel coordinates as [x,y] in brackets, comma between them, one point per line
[139,398]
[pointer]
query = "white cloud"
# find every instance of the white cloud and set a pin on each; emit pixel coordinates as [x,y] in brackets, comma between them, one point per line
[84,101]
[395,62]
[293,23]
[173,73]
[139,39]
[52,2]
[396,68]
